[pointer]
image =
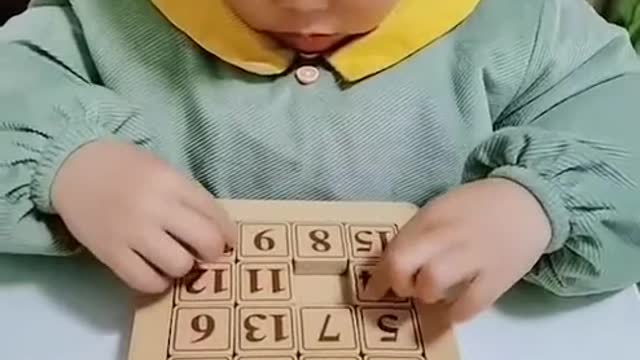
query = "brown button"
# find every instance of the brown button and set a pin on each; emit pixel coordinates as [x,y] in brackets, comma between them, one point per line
[307,74]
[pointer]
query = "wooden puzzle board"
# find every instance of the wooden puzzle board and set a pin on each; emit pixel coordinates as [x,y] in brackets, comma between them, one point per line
[291,289]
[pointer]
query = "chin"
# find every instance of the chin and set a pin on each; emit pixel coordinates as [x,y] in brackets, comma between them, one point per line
[311,43]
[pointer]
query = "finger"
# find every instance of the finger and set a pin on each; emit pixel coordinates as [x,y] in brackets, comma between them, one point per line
[404,257]
[198,198]
[199,234]
[477,297]
[166,254]
[381,280]
[137,273]
[437,278]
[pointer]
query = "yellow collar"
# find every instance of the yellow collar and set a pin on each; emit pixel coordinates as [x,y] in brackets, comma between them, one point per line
[412,25]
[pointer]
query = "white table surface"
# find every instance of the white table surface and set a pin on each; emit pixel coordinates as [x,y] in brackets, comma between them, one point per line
[71,309]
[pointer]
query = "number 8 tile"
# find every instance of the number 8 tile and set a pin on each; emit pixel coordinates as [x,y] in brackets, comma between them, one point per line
[319,249]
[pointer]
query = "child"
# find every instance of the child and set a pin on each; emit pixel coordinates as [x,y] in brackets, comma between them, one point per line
[512,123]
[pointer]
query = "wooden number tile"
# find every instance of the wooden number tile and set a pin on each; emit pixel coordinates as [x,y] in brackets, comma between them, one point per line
[391,357]
[265,330]
[389,330]
[359,276]
[329,357]
[208,283]
[263,357]
[328,330]
[265,282]
[319,249]
[200,358]
[264,242]
[370,241]
[202,331]
[229,254]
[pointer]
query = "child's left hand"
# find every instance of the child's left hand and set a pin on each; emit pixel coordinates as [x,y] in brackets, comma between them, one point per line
[484,236]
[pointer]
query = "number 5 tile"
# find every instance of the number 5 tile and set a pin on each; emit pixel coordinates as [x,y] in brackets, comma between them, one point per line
[390,330]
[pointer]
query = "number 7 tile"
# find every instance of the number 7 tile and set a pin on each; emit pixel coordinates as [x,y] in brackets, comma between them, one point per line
[328,329]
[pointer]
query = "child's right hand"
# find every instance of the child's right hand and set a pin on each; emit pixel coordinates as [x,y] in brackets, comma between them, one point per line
[137,215]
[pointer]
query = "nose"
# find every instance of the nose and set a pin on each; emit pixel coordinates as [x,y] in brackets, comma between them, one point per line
[304,5]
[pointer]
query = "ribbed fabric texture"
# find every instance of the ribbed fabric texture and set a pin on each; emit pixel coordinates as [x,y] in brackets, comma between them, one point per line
[542,92]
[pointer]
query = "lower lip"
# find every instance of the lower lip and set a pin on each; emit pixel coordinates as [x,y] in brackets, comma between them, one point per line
[313,43]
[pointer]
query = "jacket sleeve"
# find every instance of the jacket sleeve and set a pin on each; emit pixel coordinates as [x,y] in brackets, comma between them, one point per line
[570,136]
[51,103]
[626,13]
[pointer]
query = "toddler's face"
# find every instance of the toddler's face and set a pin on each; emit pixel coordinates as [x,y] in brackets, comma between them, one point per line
[312,25]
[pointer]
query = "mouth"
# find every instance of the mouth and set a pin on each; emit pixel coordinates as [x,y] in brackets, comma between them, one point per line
[310,43]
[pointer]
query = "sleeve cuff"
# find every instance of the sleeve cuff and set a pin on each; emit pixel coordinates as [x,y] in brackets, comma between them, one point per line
[547,196]
[55,153]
